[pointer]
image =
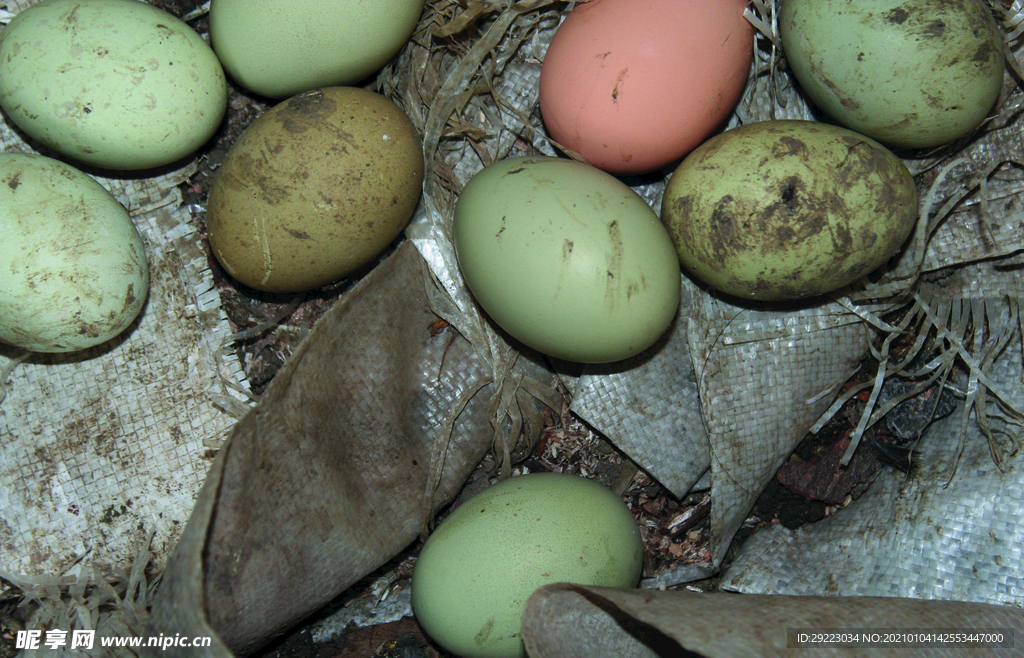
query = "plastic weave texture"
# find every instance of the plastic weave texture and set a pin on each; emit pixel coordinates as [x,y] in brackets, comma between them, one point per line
[99,448]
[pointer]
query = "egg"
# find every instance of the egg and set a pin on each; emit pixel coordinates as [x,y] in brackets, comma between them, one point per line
[279,48]
[908,73]
[117,84]
[314,188]
[475,572]
[566,258]
[73,265]
[786,210]
[634,85]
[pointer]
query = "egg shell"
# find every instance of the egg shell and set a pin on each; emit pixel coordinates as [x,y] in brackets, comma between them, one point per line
[566,258]
[73,265]
[314,188]
[634,85]
[785,210]
[909,73]
[279,48]
[116,84]
[475,572]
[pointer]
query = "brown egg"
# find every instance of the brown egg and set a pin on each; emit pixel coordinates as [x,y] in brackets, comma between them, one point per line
[315,188]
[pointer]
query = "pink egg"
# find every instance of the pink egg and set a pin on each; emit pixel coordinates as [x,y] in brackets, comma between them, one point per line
[634,85]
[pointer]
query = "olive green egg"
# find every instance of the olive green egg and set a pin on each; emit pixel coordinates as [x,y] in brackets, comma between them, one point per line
[909,73]
[566,258]
[475,572]
[314,189]
[787,210]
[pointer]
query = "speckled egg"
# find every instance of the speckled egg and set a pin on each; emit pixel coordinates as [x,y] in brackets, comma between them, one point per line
[788,210]
[279,48]
[909,73]
[474,574]
[314,188]
[73,266]
[117,84]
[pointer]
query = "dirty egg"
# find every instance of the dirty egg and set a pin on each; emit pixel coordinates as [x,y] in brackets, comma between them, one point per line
[566,258]
[116,84]
[784,210]
[475,572]
[279,48]
[314,188]
[73,264]
[909,73]
[634,85]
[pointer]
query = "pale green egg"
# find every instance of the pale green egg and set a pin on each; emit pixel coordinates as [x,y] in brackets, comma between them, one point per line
[566,258]
[279,48]
[474,574]
[909,73]
[73,265]
[117,84]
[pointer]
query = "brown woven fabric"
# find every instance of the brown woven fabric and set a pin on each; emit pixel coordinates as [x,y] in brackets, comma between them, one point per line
[569,621]
[323,480]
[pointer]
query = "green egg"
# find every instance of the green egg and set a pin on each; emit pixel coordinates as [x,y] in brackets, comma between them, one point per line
[566,258]
[787,210]
[279,48]
[474,574]
[74,268]
[116,84]
[909,73]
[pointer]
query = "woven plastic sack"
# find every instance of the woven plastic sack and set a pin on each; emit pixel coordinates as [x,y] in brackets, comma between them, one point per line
[336,469]
[570,621]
